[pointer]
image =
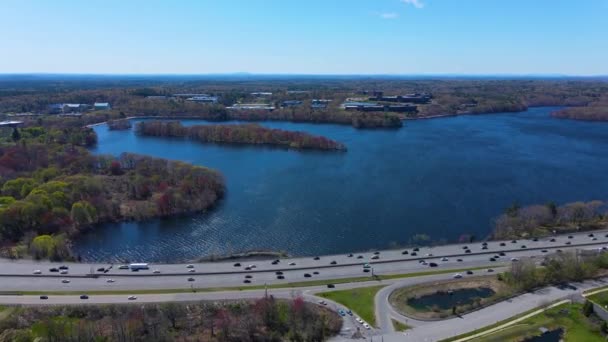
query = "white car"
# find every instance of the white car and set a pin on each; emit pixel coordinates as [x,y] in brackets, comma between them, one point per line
[63,272]
[65,281]
[366,326]
[252,266]
[444,259]
[190,266]
[156,271]
[132,298]
[37,272]
[322,302]
[359,320]
[110,281]
[192,271]
[514,259]
[457,276]
[423,262]
[429,254]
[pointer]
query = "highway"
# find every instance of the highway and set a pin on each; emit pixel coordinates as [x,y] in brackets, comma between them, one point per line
[18,275]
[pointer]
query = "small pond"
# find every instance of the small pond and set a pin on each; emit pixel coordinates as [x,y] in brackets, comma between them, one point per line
[549,336]
[446,300]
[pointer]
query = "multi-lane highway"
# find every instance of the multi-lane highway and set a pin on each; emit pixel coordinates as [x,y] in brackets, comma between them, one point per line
[19,275]
[16,276]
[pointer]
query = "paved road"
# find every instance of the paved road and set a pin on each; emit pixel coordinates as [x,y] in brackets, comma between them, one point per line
[17,275]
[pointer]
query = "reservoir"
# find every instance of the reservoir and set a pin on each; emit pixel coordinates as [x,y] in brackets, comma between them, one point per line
[442,177]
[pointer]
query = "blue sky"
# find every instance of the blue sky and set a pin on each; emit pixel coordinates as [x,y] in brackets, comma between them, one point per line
[305,36]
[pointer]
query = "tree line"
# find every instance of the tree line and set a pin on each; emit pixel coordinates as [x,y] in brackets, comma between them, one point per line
[238,134]
[265,319]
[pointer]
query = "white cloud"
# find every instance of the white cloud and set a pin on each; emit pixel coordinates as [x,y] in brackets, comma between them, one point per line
[415,3]
[389,15]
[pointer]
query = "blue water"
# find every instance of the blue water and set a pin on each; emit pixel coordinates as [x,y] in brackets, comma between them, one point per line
[441,177]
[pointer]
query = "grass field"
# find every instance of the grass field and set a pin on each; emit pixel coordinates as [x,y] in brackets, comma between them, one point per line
[600,298]
[360,301]
[567,316]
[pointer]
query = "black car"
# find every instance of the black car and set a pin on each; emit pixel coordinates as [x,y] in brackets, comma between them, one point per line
[331,286]
[606,235]
[63,267]
[572,237]
[502,254]
[568,243]
[459,260]
[465,247]
[334,262]
[544,251]
[524,246]
[44,297]
[249,276]
[513,241]
[467,251]
[237,265]
[416,249]
[53,269]
[590,235]
[247,281]
[280,277]
[316,258]
[558,251]
[315,272]
[307,275]
[350,255]
[535,239]
[552,240]
[84,297]
[190,279]
[492,259]
[366,270]
[278,272]
[484,247]
[247,268]
[469,272]
[484,244]
[414,254]
[432,264]
[359,256]
[275,262]
[376,253]
[101,269]
[502,244]
[490,270]
[405,252]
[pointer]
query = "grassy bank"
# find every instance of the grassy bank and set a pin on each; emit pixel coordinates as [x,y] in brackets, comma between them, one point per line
[360,301]
[400,298]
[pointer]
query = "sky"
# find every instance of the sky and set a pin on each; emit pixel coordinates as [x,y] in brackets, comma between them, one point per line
[401,37]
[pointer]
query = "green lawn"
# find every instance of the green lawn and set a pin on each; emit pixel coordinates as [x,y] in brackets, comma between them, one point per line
[567,316]
[360,301]
[400,326]
[600,298]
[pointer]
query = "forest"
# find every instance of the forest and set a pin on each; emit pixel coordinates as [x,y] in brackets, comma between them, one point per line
[542,220]
[238,134]
[53,188]
[266,319]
